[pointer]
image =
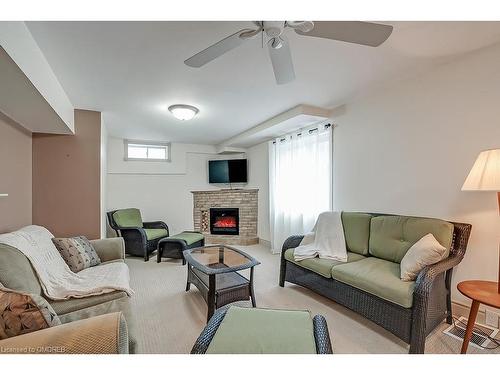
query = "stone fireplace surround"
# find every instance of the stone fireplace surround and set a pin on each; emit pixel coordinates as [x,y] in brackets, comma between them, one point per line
[246,200]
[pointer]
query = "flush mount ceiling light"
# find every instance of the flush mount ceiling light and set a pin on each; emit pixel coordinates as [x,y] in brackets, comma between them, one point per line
[183,112]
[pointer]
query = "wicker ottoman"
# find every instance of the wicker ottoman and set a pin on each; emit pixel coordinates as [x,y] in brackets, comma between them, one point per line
[239,330]
[173,246]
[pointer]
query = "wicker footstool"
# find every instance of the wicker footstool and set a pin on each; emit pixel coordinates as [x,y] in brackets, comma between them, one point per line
[238,330]
[173,246]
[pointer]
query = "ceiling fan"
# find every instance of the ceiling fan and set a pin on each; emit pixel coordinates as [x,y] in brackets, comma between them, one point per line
[365,33]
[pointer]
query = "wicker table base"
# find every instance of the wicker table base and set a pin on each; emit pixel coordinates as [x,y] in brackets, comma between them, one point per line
[221,289]
[214,271]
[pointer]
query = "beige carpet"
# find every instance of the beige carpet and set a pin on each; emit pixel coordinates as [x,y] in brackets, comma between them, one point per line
[168,319]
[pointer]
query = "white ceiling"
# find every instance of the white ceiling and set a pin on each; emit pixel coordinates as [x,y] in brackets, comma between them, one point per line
[132,71]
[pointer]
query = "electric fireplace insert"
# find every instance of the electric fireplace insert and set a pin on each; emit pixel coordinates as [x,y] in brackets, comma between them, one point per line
[224,221]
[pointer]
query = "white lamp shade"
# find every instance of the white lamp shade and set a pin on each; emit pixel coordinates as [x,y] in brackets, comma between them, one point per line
[485,174]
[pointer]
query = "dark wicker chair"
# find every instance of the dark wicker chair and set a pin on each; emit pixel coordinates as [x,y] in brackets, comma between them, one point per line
[321,335]
[136,241]
[431,297]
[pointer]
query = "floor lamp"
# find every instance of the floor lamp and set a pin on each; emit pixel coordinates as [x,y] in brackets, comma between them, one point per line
[485,176]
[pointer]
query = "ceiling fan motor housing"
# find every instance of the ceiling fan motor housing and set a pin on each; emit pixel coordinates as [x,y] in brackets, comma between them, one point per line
[273,29]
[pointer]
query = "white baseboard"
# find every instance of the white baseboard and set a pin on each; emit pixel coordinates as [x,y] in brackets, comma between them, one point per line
[265,242]
[459,309]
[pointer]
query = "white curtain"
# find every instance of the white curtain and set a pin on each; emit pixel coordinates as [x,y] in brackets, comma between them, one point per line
[300,182]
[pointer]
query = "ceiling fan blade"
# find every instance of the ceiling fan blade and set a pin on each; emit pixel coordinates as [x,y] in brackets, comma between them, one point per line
[366,33]
[219,48]
[281,58]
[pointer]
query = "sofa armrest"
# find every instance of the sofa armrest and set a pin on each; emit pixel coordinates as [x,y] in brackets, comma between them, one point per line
[155,225]
[109,248]
[428,295]
[426,277]
[292,242]
[103,334]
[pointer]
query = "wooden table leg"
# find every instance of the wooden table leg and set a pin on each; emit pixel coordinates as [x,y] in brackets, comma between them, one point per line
[470,325]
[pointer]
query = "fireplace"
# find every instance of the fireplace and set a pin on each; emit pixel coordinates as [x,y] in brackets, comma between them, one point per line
[246,200]
[224,221]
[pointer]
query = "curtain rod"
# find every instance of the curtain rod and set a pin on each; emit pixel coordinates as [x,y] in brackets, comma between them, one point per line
[309,131]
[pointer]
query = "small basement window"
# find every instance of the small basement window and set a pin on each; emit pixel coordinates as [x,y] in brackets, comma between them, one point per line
[147,151]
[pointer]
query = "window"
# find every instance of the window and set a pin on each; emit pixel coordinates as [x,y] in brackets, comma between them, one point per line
[300,182]
[147,151]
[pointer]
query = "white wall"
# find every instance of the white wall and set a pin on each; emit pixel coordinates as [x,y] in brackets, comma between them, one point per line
[258,175]
[408,147]
[162,190]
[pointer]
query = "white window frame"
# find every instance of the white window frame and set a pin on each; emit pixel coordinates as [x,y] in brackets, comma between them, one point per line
[152,144]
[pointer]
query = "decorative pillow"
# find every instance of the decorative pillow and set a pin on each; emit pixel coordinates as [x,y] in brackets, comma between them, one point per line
[424,252]
[77,252]
[22,313]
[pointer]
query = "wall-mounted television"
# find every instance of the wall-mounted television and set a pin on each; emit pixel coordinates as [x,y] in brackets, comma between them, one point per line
[227,171]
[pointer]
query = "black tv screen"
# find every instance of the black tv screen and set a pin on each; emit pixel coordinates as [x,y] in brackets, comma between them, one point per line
[227,171]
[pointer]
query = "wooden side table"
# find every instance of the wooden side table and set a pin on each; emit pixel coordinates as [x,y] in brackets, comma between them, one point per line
[485,292]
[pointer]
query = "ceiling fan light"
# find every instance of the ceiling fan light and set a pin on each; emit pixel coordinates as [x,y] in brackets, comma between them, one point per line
[183,112]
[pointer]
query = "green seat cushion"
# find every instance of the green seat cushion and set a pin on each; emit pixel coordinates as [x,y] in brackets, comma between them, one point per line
[262,331]
[128,218]
[356,231]
[153,234]
[379,277]
[392,236]
[189,237]
[322,267]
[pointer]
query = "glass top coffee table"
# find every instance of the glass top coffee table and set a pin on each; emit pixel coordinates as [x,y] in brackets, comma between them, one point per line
[214,271]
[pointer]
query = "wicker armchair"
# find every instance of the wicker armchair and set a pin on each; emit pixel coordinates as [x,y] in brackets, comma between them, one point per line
[141,238]
[431,296]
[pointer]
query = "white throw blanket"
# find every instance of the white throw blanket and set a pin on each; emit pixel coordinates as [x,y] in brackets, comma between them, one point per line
[326,240]
[57,280]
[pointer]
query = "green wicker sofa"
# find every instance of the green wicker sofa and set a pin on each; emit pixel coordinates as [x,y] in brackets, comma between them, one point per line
[369,282]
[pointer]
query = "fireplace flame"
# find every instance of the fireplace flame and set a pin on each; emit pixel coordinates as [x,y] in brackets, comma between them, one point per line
[225,222]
